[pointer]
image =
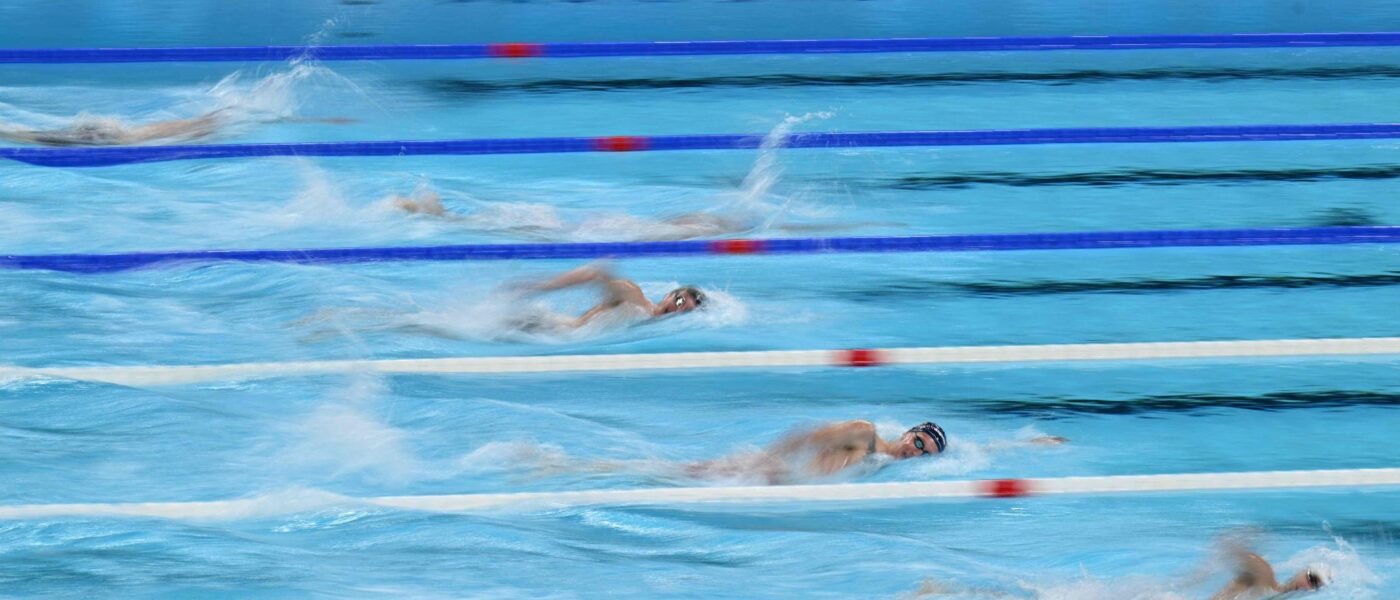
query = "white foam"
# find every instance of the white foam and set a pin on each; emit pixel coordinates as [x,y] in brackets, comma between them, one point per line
[344,437]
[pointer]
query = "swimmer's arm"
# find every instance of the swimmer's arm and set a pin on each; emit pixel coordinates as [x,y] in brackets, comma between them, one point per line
[1044,440]
[593,312]
[324,120]
[843,434]
[843,444]
[426,203]
[1047,440]
[850,433]
[197,127]
[18,134]
[580,276]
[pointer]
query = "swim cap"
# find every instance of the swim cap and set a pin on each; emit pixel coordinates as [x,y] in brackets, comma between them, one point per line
[933,431]
[694,293]
[1323,573]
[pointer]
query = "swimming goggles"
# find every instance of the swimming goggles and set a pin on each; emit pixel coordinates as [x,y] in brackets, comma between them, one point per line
[919,443]
[680,299]
[1314,582]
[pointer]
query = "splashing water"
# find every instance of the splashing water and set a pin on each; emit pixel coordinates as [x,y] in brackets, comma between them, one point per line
[344,437]
[1350,578]
[1340,564]
[271,98]
[745,210]
[766,170]
[277,96]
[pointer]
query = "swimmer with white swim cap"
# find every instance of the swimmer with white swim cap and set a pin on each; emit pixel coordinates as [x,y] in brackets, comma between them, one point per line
[620,294]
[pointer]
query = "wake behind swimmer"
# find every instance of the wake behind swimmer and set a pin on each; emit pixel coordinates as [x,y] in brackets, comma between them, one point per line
[88,130]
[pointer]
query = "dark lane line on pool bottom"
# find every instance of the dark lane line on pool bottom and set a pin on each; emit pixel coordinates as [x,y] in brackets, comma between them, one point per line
[1055,408]
[453,87]
[1010,289]
[1133,177]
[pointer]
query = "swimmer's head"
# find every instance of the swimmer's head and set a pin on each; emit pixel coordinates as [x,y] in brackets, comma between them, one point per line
[1309,579]
[680,300]
[924,438]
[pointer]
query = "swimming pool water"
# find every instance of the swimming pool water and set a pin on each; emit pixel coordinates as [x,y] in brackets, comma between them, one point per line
[295,438]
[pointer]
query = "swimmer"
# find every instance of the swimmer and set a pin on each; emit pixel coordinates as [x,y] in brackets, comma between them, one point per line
[105,131]
[831,449]
[620,294]
[1254,579]
[102,131]
[687,226]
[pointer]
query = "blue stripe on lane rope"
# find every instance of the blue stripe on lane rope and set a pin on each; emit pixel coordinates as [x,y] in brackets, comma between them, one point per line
[698,48]
[116,155]
[98,263]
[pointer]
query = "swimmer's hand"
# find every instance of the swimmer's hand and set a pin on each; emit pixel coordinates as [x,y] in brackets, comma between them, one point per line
[427,203]
[325,120]
[1047,440]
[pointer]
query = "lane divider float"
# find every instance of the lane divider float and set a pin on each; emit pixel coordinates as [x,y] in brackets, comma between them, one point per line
[290,503]
[158,375]
[1085,240]
[118,155]
[520,50]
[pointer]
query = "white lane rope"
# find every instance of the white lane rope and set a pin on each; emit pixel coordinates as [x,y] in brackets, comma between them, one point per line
[183,374]
[289,503]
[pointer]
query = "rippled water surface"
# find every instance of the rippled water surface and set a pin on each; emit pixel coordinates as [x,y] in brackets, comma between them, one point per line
[302,447]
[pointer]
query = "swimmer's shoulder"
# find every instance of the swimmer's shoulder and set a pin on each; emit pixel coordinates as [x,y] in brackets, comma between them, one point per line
[847,430]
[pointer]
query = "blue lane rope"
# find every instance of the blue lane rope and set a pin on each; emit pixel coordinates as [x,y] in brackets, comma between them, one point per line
[98,263]
[697,48]
[116,155]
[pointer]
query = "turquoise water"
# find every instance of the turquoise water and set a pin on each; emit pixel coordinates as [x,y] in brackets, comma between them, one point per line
[287,439]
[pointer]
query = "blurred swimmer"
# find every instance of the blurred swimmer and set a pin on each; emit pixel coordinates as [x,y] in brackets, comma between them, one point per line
[688,226]
[1254,579]
[831,449]
[619,295]
[107,131]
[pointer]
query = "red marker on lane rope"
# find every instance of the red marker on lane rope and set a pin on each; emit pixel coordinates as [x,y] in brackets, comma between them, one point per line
[860,357]
[620,143]
[736,246]
[1006,488]
[514,50]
